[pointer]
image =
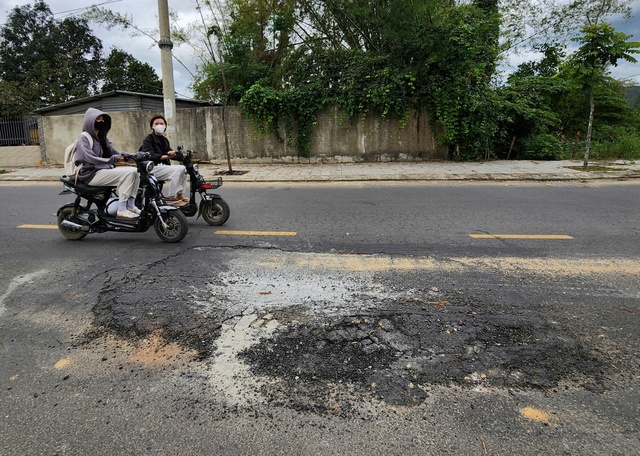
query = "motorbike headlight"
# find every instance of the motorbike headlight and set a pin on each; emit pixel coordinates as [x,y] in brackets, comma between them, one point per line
[148,167]
[196,167]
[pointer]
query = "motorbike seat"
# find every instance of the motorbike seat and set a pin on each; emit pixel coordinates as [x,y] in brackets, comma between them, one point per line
[85,188]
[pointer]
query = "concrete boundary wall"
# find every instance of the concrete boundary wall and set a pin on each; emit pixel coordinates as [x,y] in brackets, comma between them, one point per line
[12,156]
[334,139]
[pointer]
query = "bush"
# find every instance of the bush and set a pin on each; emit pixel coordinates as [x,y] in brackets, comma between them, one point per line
[624,146]
[541,147]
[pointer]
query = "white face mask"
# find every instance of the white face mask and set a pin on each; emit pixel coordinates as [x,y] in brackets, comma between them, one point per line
[160,129]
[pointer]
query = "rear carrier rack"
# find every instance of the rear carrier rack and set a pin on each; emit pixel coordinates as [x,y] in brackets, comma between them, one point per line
[211,184]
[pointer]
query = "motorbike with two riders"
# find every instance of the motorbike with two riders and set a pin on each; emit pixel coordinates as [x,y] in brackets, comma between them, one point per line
[94,209]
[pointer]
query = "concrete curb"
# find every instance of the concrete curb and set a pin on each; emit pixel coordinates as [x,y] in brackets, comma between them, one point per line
[439,178]
[503,171]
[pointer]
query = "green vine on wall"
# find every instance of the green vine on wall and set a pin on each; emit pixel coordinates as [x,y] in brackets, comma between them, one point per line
[357,83]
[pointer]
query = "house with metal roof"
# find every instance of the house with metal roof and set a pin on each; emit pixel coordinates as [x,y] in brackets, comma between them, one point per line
[118,101]
[60,124]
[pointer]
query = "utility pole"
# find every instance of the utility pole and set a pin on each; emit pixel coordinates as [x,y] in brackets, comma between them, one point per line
[168,90]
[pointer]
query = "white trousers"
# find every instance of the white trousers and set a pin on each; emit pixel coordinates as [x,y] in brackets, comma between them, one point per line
[174,175]
[125,178]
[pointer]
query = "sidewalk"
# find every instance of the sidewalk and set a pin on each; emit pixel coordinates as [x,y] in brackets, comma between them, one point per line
[512,170]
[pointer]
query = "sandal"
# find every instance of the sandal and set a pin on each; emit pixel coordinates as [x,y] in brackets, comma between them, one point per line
[175,203]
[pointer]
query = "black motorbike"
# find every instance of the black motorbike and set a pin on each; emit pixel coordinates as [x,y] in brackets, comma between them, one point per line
[214,210]
[76,220]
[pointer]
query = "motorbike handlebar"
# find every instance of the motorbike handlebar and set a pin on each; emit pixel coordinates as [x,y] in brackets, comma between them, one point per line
[184,153]
[137,158]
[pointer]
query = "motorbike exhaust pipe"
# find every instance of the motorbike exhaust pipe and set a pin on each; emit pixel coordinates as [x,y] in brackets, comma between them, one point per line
[74,226]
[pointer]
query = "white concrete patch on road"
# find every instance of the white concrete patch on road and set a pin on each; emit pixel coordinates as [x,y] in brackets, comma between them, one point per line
[229,375]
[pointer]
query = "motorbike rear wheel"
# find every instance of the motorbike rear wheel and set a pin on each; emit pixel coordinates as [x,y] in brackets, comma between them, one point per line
[215,212]
[177,226]
[66,213]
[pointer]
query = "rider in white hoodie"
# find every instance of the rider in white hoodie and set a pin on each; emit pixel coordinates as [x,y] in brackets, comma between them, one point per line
[98,163]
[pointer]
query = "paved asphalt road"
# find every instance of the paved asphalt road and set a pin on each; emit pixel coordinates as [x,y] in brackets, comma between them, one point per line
[371,319]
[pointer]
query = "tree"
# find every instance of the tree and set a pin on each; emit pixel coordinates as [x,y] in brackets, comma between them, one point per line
[14,102]
[388,56]
[110,19]
[601,46]
[531,23]
[125,72]
[52,60]
[531,100]
[461,59]
[593,12]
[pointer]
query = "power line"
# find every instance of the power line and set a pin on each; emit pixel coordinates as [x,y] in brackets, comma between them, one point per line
[71,12]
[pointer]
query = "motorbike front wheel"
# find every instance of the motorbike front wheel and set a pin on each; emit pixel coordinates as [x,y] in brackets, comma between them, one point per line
[215,212]
[66,213]
[177,226]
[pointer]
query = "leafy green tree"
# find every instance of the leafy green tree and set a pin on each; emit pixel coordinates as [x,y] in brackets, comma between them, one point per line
[125,72]
[531,100]
[632,95]
[593,12]
[601,47]
[52,60]
[461,59]
[387,56]
[14,101]
[110,19]
[531,23]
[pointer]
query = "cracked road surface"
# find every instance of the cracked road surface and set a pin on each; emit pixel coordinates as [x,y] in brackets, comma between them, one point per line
[262,351]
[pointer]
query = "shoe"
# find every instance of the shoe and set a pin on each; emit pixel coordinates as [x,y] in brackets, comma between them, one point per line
[176,203]
[135,210]
[126,215]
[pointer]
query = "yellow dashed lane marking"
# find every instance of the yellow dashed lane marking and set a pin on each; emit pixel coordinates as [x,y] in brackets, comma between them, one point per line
[257,233]
[41,227]
[520,236]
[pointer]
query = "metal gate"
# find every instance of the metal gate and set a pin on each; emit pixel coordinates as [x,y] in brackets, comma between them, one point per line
[19,132]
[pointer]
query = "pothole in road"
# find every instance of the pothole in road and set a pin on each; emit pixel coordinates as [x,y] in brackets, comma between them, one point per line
[297,329]
[396,354]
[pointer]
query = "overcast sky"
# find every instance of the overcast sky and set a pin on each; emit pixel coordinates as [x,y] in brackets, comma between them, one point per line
[145,15]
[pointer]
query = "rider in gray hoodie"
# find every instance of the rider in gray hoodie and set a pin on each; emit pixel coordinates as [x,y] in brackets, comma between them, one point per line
[98,158]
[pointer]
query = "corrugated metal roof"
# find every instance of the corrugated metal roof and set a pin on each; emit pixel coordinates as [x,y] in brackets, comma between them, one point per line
[118,100]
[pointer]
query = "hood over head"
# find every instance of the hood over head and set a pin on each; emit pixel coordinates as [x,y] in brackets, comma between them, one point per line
[90,116]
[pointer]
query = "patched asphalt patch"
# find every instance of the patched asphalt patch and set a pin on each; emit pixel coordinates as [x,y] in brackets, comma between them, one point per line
[138,305]
[395,354]
[338,334]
